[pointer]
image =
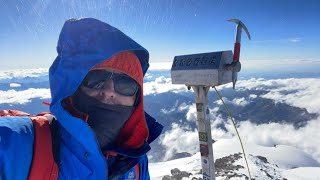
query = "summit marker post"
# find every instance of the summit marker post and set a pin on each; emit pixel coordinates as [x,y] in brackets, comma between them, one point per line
[200,72]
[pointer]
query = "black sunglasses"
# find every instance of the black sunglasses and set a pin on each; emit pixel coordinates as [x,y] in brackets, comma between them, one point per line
[123,84]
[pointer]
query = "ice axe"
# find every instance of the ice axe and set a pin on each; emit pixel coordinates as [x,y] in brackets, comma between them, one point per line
[235,66]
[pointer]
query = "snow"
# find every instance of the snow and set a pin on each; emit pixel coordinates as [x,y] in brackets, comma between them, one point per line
[160,169]
[306,173]
[280,155]
[282,160]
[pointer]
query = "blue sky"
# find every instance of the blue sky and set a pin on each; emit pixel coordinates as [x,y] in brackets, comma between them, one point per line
[281,30]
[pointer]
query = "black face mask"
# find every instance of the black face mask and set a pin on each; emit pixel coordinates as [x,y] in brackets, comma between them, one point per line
[105,120]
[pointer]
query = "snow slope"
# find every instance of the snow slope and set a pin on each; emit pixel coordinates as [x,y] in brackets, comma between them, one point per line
[281,162]
[302,173]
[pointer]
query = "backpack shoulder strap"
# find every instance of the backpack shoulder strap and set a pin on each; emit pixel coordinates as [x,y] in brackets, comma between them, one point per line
[43,163]
[54,129]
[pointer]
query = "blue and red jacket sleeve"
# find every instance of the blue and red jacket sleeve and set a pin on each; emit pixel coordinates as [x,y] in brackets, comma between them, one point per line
[16,147]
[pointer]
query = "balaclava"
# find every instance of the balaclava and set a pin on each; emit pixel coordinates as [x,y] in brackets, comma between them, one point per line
[108,121]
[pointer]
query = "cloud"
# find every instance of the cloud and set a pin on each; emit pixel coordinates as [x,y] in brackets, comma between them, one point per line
[183,107]
[14,85]
[21,97]
[148,76]
[236,101]
[306,138]
[179,139]
[292,40]
[253,96]
[191,114]
[24,75]
[184,139]
[160,66]
[300,93]
[240,101]
[162,85]
[173,109]
[21,73]
[296,92]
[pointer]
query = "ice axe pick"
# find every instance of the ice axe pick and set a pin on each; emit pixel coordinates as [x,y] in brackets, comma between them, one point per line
[235,66]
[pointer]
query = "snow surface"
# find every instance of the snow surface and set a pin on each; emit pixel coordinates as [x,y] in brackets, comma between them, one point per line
[302,173]
[280,155]
[282,161]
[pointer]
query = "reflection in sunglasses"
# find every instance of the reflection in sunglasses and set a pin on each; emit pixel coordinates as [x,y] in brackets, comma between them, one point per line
[123,84]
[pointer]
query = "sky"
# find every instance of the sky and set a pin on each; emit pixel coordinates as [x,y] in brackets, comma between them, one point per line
[281,31]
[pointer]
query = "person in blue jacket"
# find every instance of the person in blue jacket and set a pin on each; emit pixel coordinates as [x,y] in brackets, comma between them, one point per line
[96,84]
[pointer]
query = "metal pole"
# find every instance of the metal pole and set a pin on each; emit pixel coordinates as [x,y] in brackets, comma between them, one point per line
[204,129]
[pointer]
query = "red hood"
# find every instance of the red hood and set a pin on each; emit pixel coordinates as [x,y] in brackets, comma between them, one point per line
[135,131]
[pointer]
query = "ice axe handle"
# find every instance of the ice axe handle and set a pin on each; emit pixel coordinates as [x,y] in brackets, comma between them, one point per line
[236,52]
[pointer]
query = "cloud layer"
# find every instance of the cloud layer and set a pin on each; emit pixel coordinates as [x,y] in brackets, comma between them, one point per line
[298,92]
[302,93]
[184,139]
[20,73]
[24,75]
[21,97]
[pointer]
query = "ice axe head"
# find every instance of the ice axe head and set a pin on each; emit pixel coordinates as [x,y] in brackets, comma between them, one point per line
[240,26]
